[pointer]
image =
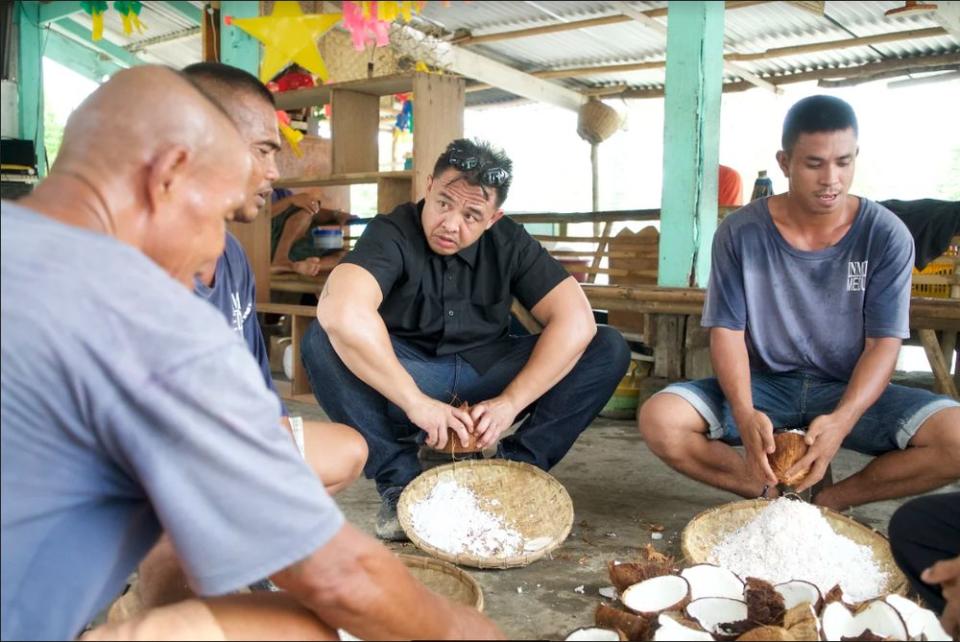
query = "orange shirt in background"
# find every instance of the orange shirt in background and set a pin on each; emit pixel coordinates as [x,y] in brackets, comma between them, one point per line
[729,188]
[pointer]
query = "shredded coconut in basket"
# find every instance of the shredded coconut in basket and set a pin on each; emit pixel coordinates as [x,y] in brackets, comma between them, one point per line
[791,540]
[451,519]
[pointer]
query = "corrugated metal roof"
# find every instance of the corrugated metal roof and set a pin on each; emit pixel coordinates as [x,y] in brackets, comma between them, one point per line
[752,29]
[170,38]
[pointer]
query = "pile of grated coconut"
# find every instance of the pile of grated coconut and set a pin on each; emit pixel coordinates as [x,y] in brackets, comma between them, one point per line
[451,519]
[791,540]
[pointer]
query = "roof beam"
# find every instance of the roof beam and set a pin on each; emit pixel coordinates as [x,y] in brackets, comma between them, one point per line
[186,9]
[53,11]
[581,24]
[116,52]
[780,52]
[83,60]
[655,25]
[873,69]
[442,54]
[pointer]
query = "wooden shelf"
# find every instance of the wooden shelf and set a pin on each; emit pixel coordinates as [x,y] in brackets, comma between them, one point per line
[355,178]
[382,86]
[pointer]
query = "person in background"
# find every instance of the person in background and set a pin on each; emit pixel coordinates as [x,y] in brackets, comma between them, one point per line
[925,540]
[292,216]
[729,187]
[807,304]
[129,408]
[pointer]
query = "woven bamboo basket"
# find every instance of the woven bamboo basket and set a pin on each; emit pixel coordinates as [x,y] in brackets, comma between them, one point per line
[710,527]
[445,579]
[597,121]
[528,499]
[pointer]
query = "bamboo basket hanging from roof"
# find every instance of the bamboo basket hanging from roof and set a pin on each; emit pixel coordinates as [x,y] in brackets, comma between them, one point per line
[597,121]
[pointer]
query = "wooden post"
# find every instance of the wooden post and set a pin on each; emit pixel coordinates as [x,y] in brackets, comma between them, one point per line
[30,78]
[691,141]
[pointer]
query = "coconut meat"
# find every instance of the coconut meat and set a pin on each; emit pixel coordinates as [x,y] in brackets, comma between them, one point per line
[594,633]
[670,629]
[877,616]
[714,613]
[796,592]
[710,580]
[656,594]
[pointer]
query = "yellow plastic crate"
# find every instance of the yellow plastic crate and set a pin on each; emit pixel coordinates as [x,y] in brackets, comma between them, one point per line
[934,290]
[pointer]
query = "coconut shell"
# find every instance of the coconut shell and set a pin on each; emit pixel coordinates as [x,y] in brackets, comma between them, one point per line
[765,607]
[632,626]
[766,633]
[593,633]
[866,636]
[625,575]
[790,448]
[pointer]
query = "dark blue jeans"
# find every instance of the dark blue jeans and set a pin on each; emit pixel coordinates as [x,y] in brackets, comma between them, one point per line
[553,423]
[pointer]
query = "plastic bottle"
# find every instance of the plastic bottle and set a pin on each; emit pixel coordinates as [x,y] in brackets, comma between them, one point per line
[762,187]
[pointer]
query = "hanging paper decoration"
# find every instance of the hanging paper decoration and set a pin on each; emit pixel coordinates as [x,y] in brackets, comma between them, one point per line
[95,9]
[369,22]
[288,35]
[130,11]
[292,135]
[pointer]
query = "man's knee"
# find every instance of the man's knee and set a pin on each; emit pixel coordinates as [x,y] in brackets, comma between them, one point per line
[941,433]
[661,421]
[357,452]
[609,347]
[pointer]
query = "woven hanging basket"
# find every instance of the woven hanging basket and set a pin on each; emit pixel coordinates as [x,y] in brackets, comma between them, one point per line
[709,528]
[445,579]
[597,121]
[528,499]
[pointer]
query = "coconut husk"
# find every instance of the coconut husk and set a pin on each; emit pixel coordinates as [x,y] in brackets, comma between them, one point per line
[766,633]
[626,574]
[734,630]
[802,623]
[833,595]
[633,627]
[765,607]
[790,448]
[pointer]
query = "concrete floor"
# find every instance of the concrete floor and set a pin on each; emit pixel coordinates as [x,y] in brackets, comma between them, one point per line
[618,488]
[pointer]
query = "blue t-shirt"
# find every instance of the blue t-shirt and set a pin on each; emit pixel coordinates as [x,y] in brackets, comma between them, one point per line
[810,311]
[128,407]
[234,294]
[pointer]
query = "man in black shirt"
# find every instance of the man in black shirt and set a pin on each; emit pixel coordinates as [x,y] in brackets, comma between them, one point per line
[416,318]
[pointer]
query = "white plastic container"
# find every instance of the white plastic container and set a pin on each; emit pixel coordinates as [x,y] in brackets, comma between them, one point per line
[327,237]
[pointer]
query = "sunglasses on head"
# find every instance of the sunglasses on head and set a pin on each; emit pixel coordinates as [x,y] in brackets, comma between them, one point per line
[465,162]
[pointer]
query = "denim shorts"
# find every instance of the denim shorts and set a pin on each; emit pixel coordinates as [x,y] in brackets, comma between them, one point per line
[793,400]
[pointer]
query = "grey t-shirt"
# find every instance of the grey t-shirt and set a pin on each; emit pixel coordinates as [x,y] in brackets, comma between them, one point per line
[810,311]
[129,407]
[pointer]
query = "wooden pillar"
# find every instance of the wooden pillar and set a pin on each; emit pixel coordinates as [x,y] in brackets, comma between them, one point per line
[30,77]
[694,77]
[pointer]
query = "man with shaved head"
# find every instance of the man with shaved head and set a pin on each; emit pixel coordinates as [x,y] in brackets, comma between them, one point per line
[335,452]
[129,408]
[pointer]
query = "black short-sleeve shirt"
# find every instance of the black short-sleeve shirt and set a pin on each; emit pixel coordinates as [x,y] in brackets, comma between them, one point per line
[457,304]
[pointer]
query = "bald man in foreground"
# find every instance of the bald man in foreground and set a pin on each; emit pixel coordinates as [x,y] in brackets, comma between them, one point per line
[129,407]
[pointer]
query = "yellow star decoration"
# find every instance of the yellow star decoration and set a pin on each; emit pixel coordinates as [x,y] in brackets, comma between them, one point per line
[288,35]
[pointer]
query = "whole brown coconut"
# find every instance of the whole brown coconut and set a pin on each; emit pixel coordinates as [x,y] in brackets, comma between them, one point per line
[454,446]
[790,449]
